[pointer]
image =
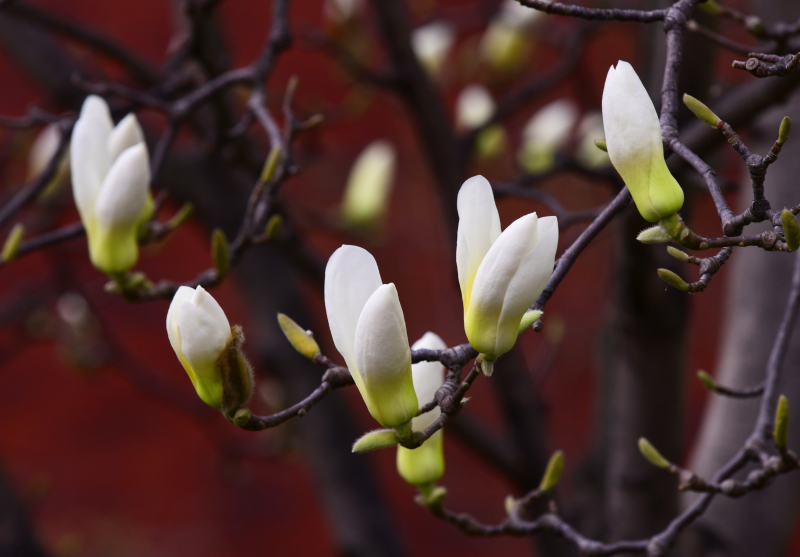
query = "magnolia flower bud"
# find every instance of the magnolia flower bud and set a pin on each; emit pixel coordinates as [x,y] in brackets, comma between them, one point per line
[425,464]
[369,331]
[501,275]
[474,107]
[42,151]
[366,196]
[339,12]
[633,138]
[110,183]
[432,44]
[208,349]
[546,133]
[590,131]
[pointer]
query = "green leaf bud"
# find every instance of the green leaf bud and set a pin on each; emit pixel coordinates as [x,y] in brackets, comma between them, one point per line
[271,164]
[701,111]
[273,227]
[784,130]
[673,280]
[601,145]
[374,440]
[652,455]
[706,380]
[529,318]
[654,235]
[181,216]
[677,254]
[552,474]
[12,243]
[782,423]
[219,252]
[300,339]
[791,230]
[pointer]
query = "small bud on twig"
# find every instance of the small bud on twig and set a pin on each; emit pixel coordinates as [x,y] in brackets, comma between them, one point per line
[782,423]
[678,254]
[784,130]
[654,235]
[273,227]
[374,440]
[706,380]
[652,455]
[300,339]
[12,243]
[673,280]
[529,319]
[271,163]
[181,216]
[219,252]
[601,145]
[552,474]
[791,230]
[701,111]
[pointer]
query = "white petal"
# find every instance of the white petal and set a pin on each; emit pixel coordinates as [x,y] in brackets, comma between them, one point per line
[204,329]
[174,333]
[478,228]
[474,107]
[350,279]
[501,264]
[533,272]
[126,134]
[428,377]
[89,159]
[124,191]
[43,149]
[381,342]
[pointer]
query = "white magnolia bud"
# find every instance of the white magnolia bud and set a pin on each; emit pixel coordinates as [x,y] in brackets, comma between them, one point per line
[425,464]
[341,11]
[515,15]
[501,275]
[547,132]
[369,331]
[200,333]
[633,139]
[110,183]
[42,151]
[474,107]
[369,185]
[432,44]
[591,130]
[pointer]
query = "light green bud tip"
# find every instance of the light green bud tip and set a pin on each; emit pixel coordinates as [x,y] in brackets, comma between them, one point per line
[706,380]
[552,473]
[782,423]
[673,280]
[651,454]
[710,6]
[701,111]
[183,214]
[271,164]
[300,339]
[374,440]
[510,504]
[529,319]
[677,254]
[791,230]
[602,146]
[654,235]
[219,252]
[784,130]
[430,496]
[273,227]
[12,243]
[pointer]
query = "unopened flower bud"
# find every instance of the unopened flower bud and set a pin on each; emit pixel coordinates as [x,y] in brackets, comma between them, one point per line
[633,139]
[673,280]
[552,474]
[654,235]
[791,229]
[432,43]
[701,111]
[474,107]
[545,134]
[781,423]
[110,182]
[12,243]
[784,130]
